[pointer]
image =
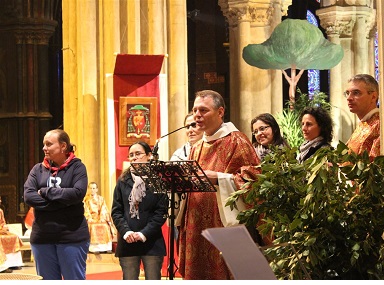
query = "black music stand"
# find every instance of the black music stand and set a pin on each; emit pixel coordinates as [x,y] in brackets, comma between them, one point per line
[184,176]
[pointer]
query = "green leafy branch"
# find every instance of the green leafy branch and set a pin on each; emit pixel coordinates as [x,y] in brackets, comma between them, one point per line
[330,209]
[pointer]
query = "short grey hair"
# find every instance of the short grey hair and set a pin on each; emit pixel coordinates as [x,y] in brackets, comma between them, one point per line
[218,100]
[368,80]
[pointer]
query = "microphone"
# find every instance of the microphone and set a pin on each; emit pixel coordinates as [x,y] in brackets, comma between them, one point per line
[156,147]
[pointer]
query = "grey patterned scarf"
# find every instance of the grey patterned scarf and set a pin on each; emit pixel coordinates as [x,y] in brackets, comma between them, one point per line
[136,196]
[306,146]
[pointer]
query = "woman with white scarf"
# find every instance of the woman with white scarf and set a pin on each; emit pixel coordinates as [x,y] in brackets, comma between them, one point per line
[139,214]
[317,128]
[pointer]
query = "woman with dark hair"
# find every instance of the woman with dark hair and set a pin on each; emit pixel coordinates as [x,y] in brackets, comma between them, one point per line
[266,132]
[55,188]
[317,128]
[138,214]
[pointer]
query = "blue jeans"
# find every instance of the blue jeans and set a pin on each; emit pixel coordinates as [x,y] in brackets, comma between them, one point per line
[61,261]
[131,267]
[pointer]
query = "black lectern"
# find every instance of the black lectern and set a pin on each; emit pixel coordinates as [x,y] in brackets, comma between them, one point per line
[181,177]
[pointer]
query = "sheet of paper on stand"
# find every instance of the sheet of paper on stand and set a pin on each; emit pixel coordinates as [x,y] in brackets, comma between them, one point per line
[241,253]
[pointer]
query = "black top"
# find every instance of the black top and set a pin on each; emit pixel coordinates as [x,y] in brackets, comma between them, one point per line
[152,213]
[312,150]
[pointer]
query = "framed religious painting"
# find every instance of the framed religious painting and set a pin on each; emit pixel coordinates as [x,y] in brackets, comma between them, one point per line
[137,120]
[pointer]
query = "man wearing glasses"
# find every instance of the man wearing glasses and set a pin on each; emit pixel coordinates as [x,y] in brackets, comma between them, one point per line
[362,96]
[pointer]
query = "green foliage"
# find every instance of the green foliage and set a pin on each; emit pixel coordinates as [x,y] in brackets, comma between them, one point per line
[288,119]
[328,212]
[303,101]
[294,44]
[290,127]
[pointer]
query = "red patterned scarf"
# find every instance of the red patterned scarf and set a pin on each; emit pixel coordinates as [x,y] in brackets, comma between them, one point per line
[56,169]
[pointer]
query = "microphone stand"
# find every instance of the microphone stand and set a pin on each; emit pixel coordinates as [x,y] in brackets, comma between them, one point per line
[156,146]
[172,205]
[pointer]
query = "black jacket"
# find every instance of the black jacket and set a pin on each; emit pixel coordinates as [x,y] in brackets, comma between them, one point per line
[59,210]
[313,150]
[152,213]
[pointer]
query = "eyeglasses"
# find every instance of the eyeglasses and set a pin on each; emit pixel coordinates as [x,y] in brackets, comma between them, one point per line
[354,93]
[261,129]
[136,154]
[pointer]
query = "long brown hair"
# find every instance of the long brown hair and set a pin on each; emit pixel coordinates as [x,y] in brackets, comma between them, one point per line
[276,133]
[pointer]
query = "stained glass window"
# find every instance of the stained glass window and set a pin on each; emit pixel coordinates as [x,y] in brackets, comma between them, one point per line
[376,56]
[313,75]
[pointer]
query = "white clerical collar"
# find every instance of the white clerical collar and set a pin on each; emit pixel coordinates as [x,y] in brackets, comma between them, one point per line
[224,130]
[369,115]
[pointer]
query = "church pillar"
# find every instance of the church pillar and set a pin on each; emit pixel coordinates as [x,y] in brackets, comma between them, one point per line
[249,23]
[349,25]
[87,24]
[156,27]
[244,97]
[130,27]
[336,87]
[177,71]
[25,98]
[280,8]
[80,81]
[360,41]
[380,28]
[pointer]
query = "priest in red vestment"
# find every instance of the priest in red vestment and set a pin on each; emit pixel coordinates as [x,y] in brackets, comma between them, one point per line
[362,96]
[227,157]
[101,228]
[10,244]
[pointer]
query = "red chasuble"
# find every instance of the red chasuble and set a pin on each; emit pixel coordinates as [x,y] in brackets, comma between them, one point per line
[366,137]
[234,154]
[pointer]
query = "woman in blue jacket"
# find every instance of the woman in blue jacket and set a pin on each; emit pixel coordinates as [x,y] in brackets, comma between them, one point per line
[138,214]
[55,189]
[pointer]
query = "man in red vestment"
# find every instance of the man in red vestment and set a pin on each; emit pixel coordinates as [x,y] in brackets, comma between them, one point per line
[227,157]
[362,96]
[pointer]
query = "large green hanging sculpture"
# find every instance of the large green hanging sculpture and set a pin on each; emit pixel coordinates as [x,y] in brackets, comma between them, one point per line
[294,44]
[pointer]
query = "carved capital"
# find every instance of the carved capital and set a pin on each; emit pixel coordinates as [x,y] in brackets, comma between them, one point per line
[366,3]
[28,31]
[32,37]
[284,6]
[341,21]
[258,13]
[341,27]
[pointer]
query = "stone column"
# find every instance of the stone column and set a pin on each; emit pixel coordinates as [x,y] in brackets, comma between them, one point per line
[280,8]
[350,26]
[380,28]
[86,61]
[156,27]
[360,44]
[80,77]
[336,87]
[130,27]
[25,99]
[177,70]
